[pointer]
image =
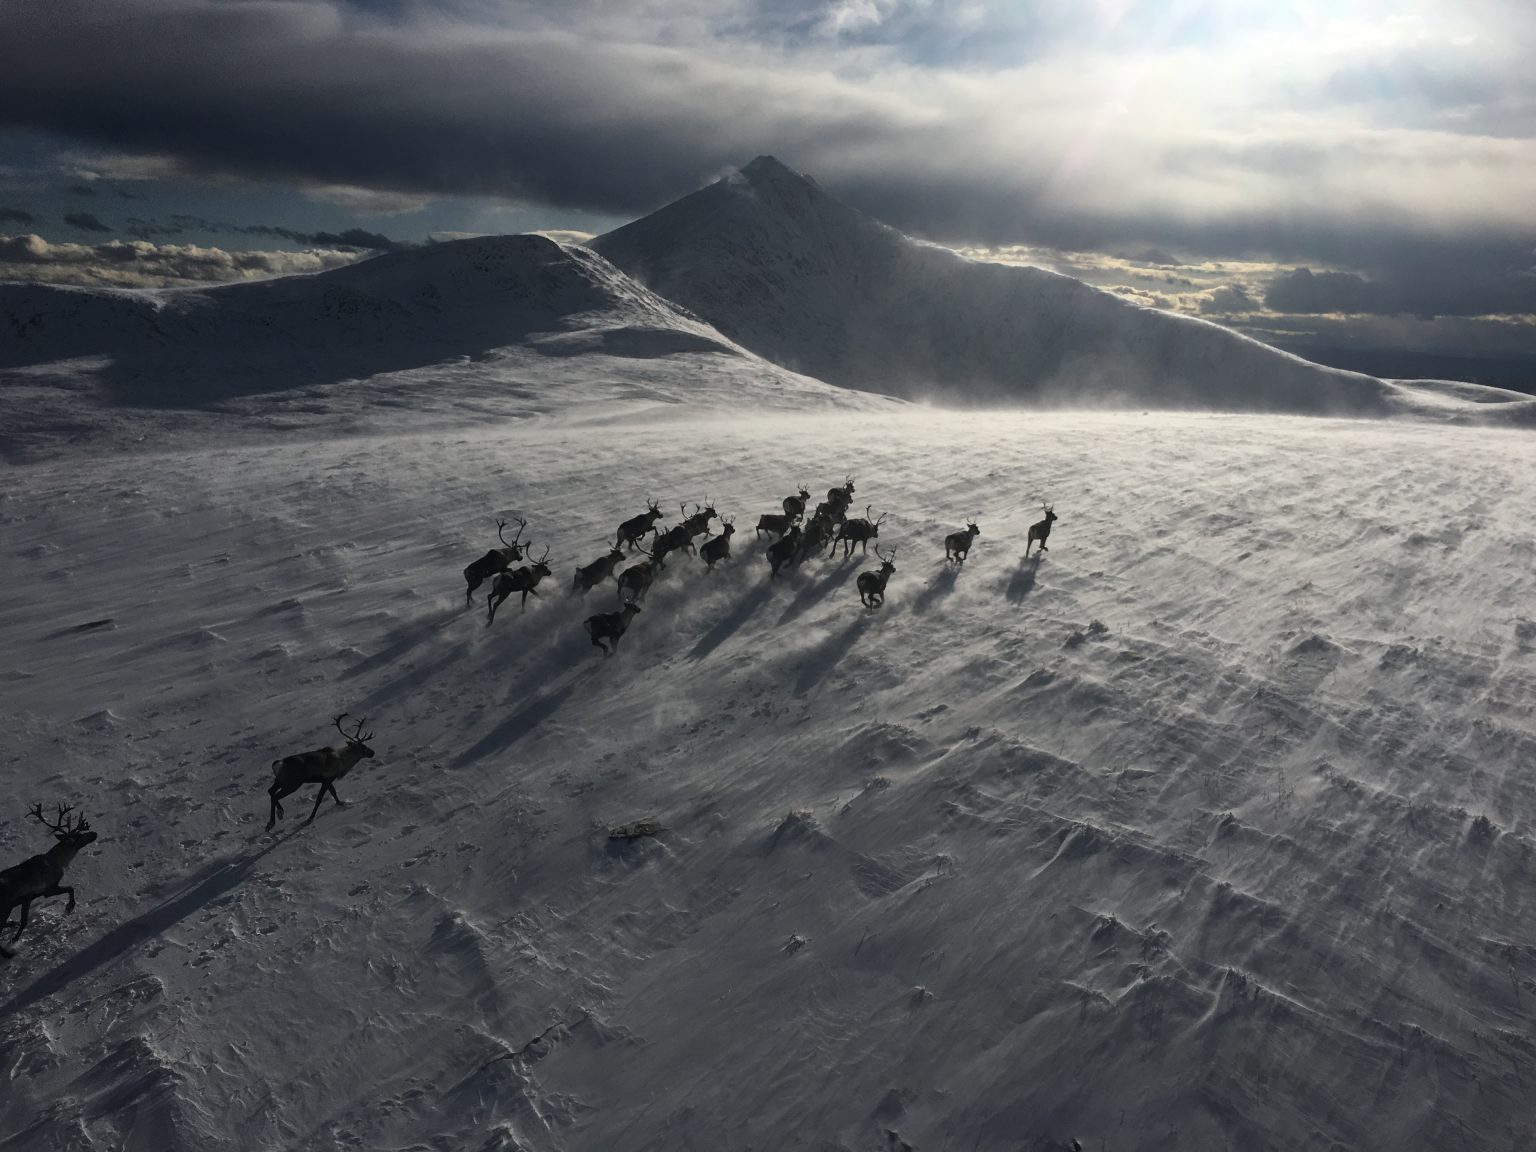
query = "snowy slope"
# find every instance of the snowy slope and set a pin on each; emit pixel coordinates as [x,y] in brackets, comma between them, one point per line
[1212,830]
[437,335]
[784,269]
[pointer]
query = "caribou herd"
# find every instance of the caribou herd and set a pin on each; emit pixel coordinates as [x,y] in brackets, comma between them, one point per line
[794,537]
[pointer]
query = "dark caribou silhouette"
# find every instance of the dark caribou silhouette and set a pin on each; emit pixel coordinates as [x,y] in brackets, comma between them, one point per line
[774,523]
[698,523]
[495,561]
[636,528]
[957,545]
[872,584]
[783,550]
[635,581]
[713,551]
[322,766]
[1040,530]
[860,532]
[593,574]
[610,626]
[525,580]
[38,877]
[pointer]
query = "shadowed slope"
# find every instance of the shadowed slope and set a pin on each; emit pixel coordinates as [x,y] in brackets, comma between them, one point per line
[776,264]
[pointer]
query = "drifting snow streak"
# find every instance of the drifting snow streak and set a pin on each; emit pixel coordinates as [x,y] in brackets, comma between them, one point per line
[1215,823]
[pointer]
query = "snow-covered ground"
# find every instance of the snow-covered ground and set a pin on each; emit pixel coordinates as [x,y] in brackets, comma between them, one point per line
[1211,830]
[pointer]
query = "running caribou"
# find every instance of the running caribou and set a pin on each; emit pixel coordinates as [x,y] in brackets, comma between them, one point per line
[322,766]
[635,581]
[795,505]
[713,551]
[782,551]
[593,574]
[698,523]
[774,523]
[38,877]
[633,530]
[841,497]
[957,545]
[872,584]
[495,561]
[524,580]
[860,531]
[675,539]
[1040,530]
[610,626]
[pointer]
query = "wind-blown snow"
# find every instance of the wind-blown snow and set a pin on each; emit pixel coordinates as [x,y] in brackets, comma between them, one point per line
[809,283]
[1211,830]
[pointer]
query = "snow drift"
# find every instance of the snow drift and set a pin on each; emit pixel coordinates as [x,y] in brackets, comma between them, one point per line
[1212,829]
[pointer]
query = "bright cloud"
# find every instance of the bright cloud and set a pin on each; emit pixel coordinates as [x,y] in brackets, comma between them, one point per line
[140,264]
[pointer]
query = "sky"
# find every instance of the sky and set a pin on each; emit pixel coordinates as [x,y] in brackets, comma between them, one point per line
[1348,172]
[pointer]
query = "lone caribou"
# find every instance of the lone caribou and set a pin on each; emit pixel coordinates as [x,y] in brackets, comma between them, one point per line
[322,766]
[38,877]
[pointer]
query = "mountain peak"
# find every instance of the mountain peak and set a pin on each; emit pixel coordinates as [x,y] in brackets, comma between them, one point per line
[768,170]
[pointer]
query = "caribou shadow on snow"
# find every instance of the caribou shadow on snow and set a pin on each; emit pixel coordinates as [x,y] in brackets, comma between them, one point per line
[744,610]
[941,585]
[1022,582]
[516,726]
[815,666]
[200,890]
[815,593]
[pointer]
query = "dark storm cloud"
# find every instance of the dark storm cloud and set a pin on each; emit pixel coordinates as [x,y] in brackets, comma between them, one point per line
[349,238]
[85,222]
[618,107]
[80,190]
[16,216]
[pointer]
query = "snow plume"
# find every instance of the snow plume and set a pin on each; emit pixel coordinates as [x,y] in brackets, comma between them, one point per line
[141,264]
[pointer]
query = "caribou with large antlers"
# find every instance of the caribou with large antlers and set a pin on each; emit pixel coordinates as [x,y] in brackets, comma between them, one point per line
[872,584]
[322,766]
[1040,530]
[524,580]
[37,877]
[636,528]
[610,626]
[957,545]
[860,531]
[495,561]
[698,523]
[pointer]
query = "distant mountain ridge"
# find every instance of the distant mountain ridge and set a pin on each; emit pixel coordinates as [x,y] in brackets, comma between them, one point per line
[776,264]
[399,309]
[461,332]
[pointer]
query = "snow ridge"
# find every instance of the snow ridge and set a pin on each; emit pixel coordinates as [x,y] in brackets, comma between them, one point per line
[786,270]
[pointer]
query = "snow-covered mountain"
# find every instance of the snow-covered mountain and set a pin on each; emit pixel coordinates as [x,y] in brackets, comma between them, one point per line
[1212,829]
[439,333]
[784,269]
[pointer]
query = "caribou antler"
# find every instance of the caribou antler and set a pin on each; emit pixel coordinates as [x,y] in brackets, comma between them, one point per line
[512,543]
[356,736]
[59,827]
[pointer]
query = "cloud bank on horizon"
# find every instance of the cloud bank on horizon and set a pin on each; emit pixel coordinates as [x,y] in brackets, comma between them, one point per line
[1393,143]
